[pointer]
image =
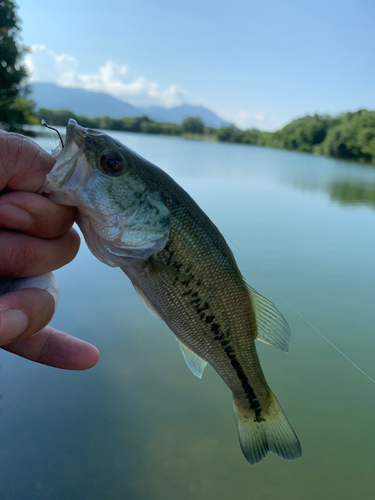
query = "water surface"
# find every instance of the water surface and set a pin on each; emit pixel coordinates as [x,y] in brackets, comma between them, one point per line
[139,425]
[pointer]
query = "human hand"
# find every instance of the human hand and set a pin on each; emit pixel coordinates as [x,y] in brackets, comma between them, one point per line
[36,237]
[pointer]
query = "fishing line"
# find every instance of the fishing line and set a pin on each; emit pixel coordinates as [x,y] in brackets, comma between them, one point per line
[301,315]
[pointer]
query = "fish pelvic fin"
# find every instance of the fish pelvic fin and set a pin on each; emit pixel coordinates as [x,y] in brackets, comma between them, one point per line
[194,362]
[272,432]
[271,325]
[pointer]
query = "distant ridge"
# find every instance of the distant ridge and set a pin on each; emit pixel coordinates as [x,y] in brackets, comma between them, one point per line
[179,113]
[94,104]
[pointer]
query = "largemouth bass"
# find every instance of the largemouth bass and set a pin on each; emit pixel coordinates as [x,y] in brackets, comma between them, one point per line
[134,216]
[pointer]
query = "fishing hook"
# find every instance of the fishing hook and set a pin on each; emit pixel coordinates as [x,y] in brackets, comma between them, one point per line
[45,124]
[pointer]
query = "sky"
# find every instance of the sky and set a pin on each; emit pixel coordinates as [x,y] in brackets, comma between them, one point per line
[254,63]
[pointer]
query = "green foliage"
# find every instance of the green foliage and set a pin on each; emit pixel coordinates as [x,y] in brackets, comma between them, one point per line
[353,137]
[13,112]
[137,124]
[56,117]
[350,135]
[229,134]
[304,133]
[23,112]
[192,125]
[234,134]
[251,136]
[152,127]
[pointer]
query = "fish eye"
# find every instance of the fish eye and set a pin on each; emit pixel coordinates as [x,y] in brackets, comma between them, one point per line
[112,163]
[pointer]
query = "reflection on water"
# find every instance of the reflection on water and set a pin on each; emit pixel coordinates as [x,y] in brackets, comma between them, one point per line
[140,425]
[349,194]
[342,191]
[345,182]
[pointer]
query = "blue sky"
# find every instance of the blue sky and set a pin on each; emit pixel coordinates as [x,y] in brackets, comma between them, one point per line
[257,64]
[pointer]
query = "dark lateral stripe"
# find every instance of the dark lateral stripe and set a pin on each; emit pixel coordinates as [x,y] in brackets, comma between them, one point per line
[248,390]
[223,338]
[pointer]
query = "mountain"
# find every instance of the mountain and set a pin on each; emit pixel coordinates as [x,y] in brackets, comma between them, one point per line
[179,113]
[93,104]
[81,102]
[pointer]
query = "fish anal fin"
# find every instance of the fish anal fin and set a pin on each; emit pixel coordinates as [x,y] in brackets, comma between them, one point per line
[147,303]
[272,327]
[272,432]
[194,362]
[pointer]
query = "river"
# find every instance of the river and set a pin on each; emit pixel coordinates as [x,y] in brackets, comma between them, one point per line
[139,425]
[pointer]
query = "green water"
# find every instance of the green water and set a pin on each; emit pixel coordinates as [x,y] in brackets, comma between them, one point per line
[139,425]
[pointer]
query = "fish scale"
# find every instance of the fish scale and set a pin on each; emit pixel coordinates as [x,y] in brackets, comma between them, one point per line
[211,339]
[134,216]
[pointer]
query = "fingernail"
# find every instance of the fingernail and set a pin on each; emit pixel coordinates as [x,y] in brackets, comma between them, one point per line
[14,217]
[13,322]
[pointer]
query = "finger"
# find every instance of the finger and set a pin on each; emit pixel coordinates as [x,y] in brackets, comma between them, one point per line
[35,214]
[23,255]
[54,348]
[23,163]
[24,313]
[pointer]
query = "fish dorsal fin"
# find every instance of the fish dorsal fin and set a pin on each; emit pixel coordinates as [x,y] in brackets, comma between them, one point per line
[194,362]
[147,303]
[272,327]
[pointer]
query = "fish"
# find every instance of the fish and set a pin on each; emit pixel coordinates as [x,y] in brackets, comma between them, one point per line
[133,215]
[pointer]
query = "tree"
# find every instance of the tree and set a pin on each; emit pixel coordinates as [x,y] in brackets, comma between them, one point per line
[229,134]
[353,137]
[193,125]
[13,113]
[304,133]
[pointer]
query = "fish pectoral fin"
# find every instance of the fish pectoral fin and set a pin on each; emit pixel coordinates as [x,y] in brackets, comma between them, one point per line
[272,432]
[271,325]
[194,362]
[147,303]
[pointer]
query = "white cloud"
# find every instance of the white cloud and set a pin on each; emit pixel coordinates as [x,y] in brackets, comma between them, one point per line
[242,116]
[250,119]
[259,116]
[44,65]
[63,69]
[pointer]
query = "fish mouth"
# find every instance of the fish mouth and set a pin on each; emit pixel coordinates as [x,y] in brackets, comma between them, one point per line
[58,179]
[66,164]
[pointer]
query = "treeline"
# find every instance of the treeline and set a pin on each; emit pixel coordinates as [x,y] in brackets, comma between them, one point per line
[347,136]
[192,126]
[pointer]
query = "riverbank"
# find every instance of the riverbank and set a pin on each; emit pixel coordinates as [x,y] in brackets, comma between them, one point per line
[350,135]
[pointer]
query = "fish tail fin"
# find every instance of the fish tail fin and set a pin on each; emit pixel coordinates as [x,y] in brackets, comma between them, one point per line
[271,432]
